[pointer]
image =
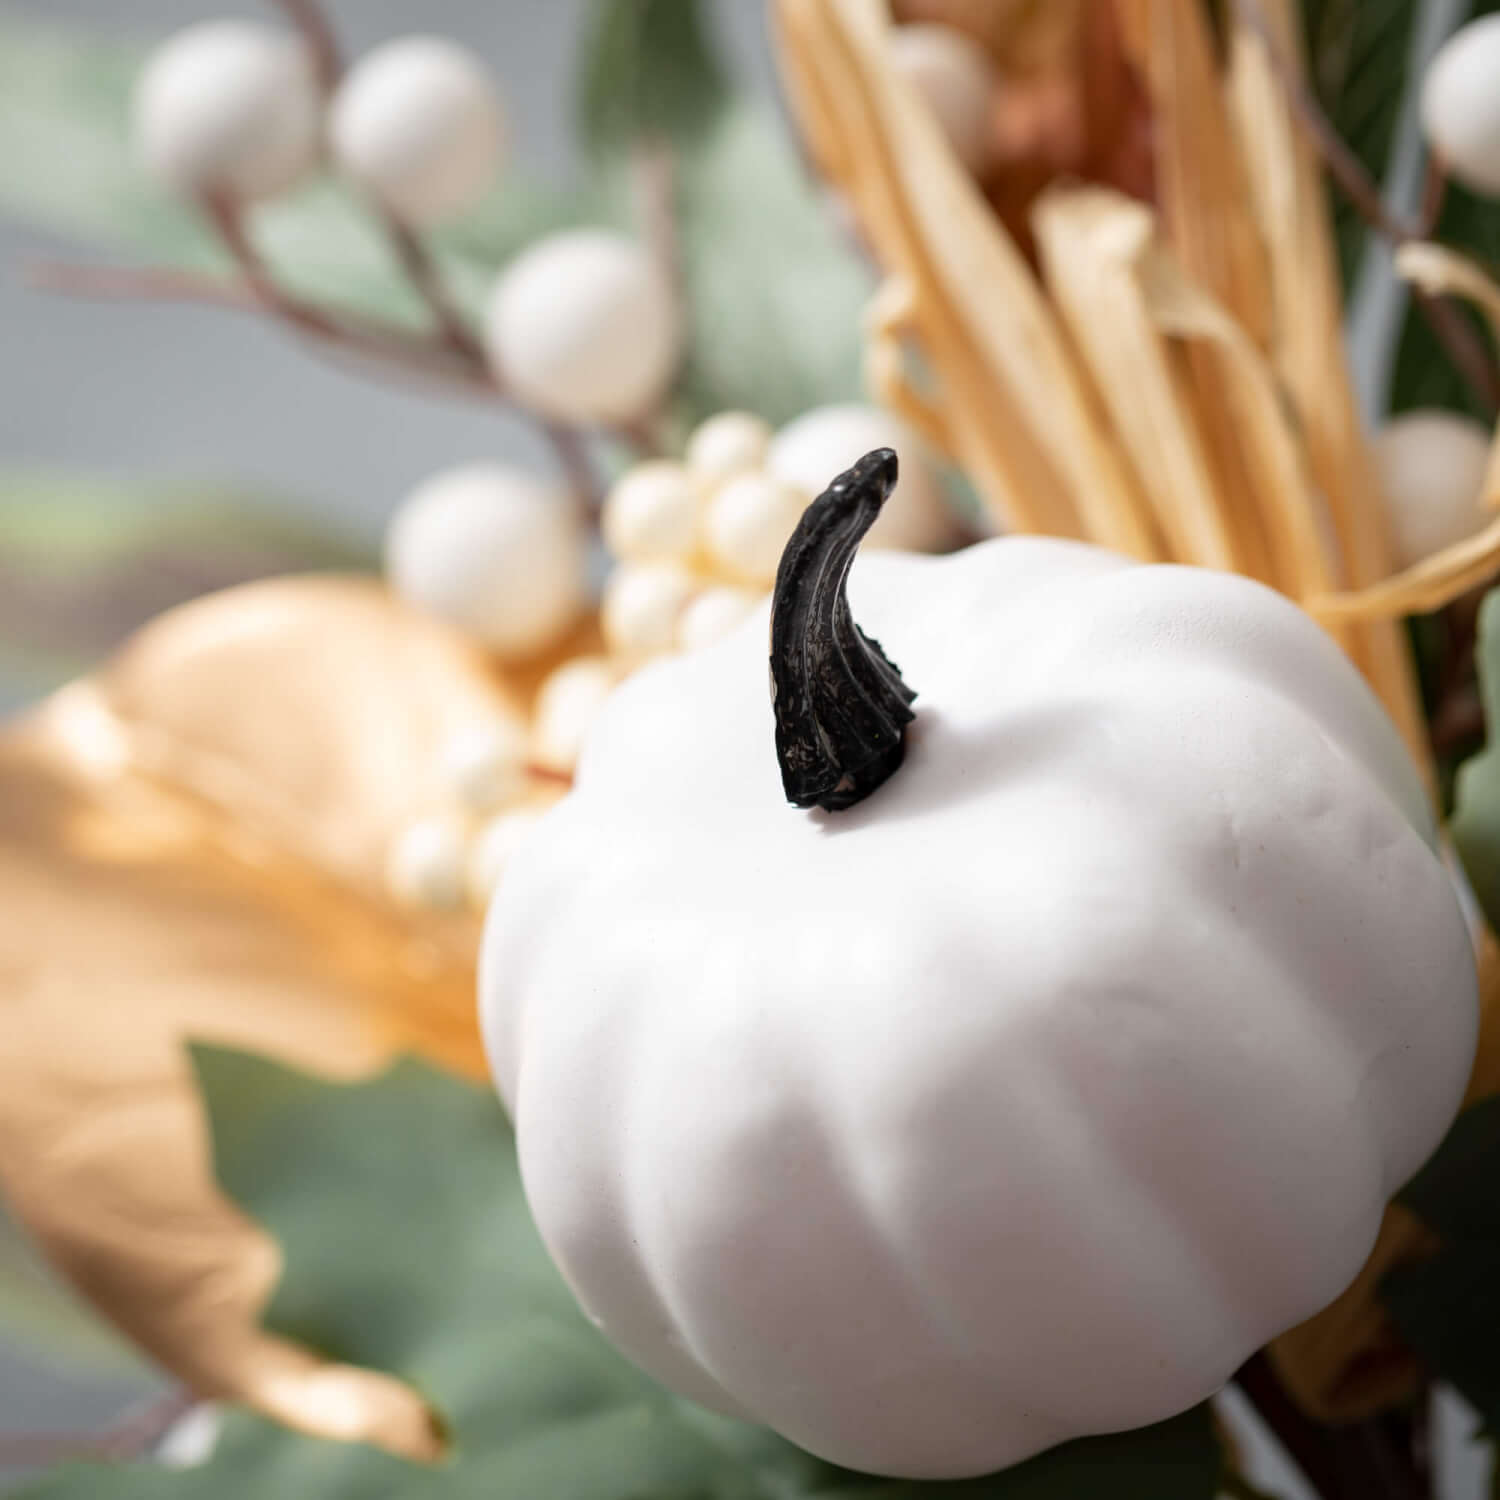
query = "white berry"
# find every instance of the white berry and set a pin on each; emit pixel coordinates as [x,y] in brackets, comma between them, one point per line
[229,107]
[426,866]
[1461,104]
[810,451]
[640,607]
[493,551]
[713,614]
[953,73]
[748,523]
[418,123]
[566,706]
[652,512]
[486,766]
[727,443]
[495,847]
[584,327]
[1431,467]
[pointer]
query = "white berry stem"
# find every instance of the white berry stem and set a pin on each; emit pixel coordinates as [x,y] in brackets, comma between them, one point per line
[308,17]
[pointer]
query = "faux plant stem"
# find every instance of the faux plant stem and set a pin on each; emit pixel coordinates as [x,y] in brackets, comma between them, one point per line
[841,706]
[308,17]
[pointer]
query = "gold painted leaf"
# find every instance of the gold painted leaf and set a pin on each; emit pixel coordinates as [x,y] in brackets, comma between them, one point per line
[191,846]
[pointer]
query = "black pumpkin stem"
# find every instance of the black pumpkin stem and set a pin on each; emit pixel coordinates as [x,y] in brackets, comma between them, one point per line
[841,706]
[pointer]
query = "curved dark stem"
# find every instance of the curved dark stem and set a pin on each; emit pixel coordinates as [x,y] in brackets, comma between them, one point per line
[841,706]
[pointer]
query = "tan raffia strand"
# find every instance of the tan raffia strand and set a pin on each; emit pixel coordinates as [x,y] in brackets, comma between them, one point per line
[1210,223]
[1024,424]
[1091,242]
[1178,390]
[1287,188]
[1438,271]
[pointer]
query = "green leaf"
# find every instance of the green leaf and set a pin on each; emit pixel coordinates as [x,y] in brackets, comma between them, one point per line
[774,295]
[85,560]
[1475,825]
[66,164]
[408,1246]
[647,71]
[775,299]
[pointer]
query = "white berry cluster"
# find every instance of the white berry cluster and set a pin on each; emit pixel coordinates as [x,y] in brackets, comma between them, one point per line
[234,108]
[581,328]
[697,542]
[457,853]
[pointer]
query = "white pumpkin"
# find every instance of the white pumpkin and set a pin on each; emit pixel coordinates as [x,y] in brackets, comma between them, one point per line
[1026,1098]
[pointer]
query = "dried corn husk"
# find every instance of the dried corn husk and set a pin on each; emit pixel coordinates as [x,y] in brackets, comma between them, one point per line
[1177,389]
[1022,421]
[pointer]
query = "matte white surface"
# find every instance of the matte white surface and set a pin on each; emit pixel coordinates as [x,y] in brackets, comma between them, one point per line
[229,106]
[584,327]
[1026,1099]
[418,122]
[1431,467]
[494,550]
[1461,104]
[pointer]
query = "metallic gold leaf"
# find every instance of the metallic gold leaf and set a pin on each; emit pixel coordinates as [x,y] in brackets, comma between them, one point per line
[191,845]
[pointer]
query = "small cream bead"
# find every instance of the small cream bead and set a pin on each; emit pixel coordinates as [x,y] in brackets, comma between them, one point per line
[1431,467]
[486,766]
[494,847]
[418,123]
[566,706]
[229,107]
[493,551]
[810,451]
[652,512]
[748,523]
[427,863]
[1461,104]
[642,602]
[727,443]
[953,73]
[713,614]
[584,327]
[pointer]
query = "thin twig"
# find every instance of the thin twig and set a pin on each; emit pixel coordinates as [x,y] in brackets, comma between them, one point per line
[137,1433]
[1447,321]
[228,220]
[405,354]
[653,179]
[1434,194]
[427,280]
[308,17]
